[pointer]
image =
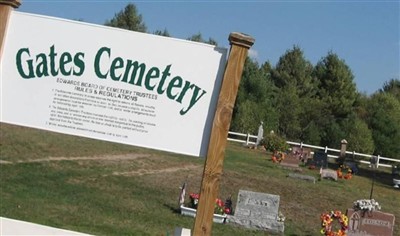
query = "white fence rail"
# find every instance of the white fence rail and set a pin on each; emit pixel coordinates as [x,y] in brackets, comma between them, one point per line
[252,139]
[246,136]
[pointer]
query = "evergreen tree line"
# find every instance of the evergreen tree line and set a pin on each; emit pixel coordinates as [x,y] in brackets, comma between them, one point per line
[318,104]
[315,104]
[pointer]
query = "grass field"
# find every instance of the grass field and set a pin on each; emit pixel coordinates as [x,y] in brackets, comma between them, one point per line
[104,188]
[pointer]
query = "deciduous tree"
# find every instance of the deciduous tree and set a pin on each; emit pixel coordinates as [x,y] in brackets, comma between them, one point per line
[384,120]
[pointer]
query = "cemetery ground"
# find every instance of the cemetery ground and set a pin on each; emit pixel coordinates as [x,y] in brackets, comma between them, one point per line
[103,188]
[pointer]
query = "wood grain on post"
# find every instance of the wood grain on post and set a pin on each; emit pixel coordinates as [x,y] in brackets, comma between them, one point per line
[240,45]
[6,6]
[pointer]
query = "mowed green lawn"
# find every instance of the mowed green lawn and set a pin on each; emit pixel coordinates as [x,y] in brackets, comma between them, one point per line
[105,188]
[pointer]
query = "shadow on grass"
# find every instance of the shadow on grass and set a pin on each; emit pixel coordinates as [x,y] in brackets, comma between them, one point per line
[382,176]
[173,209]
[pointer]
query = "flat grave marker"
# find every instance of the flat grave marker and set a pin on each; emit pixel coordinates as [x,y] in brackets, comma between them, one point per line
[302,177]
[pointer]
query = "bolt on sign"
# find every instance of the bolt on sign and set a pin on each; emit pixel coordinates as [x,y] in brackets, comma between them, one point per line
[110,84]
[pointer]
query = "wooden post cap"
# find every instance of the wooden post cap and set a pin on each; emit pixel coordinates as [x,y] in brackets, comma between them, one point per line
[13,3]
[241,39]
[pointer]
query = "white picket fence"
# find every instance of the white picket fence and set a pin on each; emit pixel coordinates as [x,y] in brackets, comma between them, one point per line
[249,139]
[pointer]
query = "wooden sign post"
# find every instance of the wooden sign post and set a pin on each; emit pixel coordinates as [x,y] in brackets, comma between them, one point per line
[240,44]
[6,6]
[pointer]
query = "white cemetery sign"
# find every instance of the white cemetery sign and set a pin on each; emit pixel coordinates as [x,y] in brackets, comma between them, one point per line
[110,84]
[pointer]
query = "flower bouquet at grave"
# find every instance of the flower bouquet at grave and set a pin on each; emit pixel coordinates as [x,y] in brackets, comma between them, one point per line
[277,156]
[220,207]
[327,220]
[366,205]
[280,217]
[344,172]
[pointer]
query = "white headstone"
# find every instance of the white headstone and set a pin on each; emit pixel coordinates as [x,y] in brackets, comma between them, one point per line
[182,232]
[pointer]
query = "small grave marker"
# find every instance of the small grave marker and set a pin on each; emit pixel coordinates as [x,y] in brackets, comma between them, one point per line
[376,223]
[303,154]
[329,174]
[290,161]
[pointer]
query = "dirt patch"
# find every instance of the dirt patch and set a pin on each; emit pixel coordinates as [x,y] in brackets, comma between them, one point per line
[125,157]
[157,171]
[143,161]
[5,162]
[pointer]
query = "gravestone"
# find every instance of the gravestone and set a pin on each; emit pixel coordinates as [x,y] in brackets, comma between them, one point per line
[320,159]
[297,151]
[257,211]
[290,161]
[303,154]
[302,177]
[182,232]
[376,223]
[306,154]
[329,174]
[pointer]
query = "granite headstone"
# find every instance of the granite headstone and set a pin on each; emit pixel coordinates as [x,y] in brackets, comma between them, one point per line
[329,174]
[320,159]
[375,223]
[257,211]
[290,161]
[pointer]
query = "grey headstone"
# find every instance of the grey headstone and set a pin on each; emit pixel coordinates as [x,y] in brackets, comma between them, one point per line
[302,177]
[329,174]
[182,232]
[257,211]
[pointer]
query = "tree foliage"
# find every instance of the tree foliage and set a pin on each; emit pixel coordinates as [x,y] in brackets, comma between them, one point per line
[199,38]
[335,85]
[384,120]
[359,136]
[337,92]
[129,19]
[254,99]
[164,33]
[392,87]
[293,76]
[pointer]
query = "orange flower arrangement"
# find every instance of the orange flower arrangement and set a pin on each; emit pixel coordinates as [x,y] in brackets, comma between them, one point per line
[277,156]
[347,174]
[327,220]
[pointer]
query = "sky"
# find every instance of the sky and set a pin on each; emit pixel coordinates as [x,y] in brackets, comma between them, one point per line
[365,34]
